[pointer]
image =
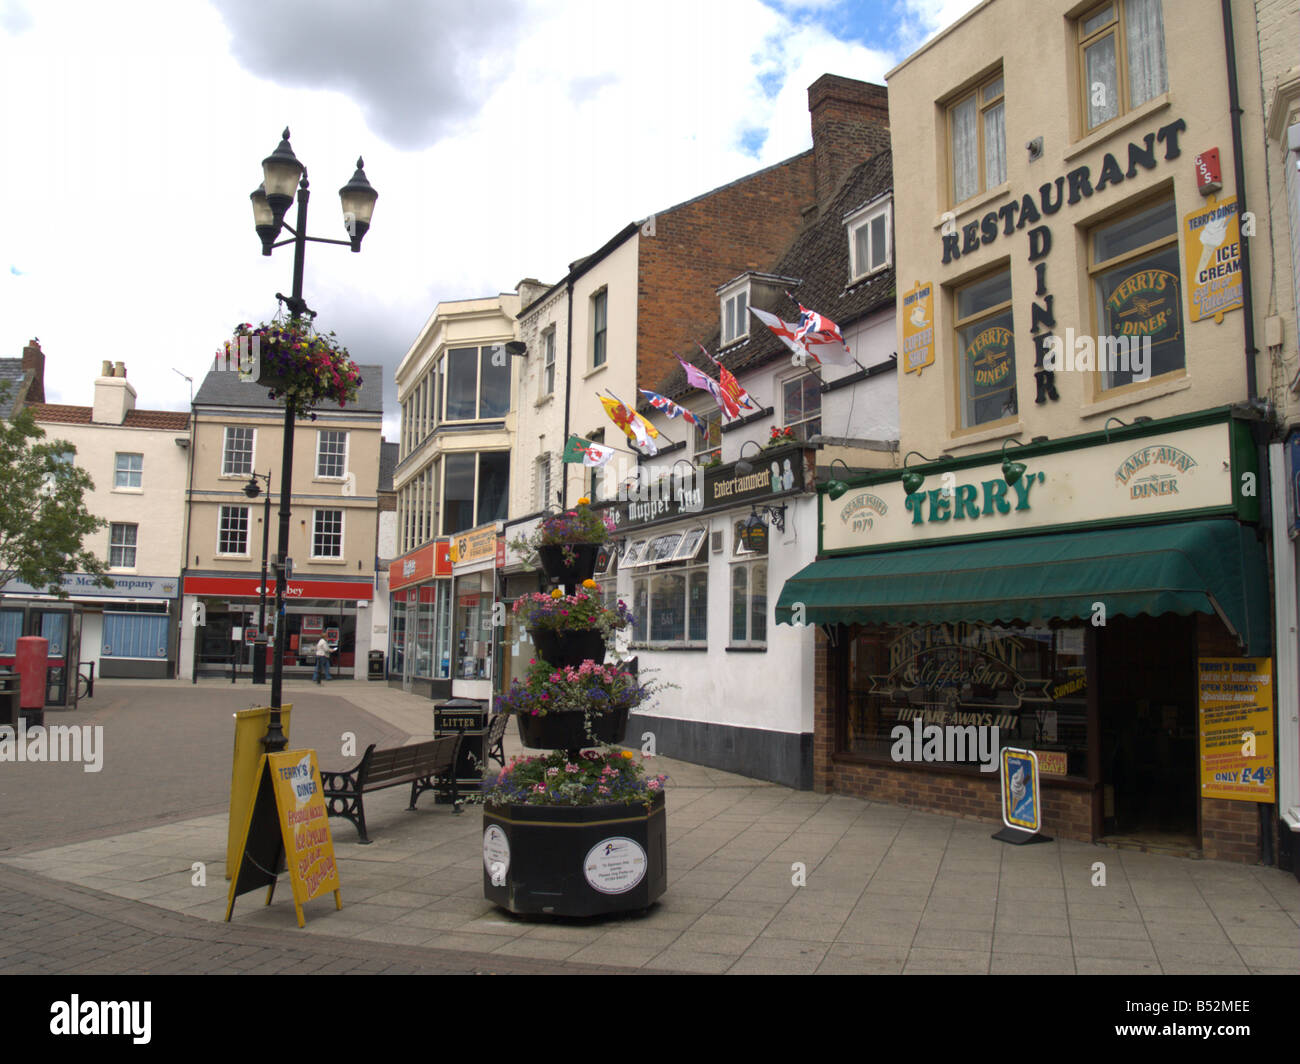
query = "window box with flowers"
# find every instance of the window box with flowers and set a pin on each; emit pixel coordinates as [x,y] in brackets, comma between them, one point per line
[565,544]
[781,437]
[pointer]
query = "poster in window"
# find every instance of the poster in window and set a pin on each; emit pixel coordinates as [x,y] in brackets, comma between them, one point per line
[989,358]
[1212,248]
[1143,303]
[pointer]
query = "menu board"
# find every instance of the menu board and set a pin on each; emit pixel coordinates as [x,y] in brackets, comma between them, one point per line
[288,825]
[1235,711]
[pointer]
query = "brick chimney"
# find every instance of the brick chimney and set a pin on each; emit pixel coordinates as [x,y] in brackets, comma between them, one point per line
[850,123]
[34,363]
[114,397]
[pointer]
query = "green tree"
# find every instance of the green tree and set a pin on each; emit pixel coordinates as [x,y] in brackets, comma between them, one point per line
[43,516]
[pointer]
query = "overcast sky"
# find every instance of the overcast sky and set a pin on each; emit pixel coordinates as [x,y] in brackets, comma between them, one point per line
[506,138]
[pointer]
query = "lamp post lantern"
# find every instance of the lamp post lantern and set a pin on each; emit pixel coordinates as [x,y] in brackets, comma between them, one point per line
[271,201]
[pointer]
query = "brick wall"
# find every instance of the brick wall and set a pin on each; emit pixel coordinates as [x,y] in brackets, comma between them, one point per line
[700,244]
[850,123]
[823,720]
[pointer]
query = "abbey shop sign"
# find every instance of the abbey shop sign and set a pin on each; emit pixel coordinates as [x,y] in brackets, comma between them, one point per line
[1029,212]
[653,498]
[1166,473]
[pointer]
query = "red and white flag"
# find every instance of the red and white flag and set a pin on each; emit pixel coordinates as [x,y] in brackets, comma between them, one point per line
[822,338]
[784,329]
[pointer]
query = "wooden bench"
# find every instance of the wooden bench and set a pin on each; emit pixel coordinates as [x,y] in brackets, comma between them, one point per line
[425,766]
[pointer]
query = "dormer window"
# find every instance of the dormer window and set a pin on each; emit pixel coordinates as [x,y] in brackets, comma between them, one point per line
[870,238]
[735,311]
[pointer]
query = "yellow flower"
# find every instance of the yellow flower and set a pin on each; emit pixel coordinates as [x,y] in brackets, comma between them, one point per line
[584,501]
[626,754]
[557,593]
[590,584]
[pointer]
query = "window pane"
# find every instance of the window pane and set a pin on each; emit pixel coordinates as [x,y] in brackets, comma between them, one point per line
[327,534]
[758,605]
[599,308]
[238,458]
[861,249]
[878,241]
[989,369]
[1140,304]
[127,471]
[493,486]
[668,607]
[984,294]
[494,400]
[462,383]
[1101,18]
[995,146]
[965,151]
[232,535]
[1145,33]
[739,602]
[742,318]
[1133,232]
[793,391]
[641,610]
[1102,85]
[699,605]
[459,511]
[729,326]
[991,91]
[331,454]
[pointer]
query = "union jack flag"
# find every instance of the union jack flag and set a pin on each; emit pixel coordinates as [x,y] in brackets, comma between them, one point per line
[821,337]
[671,409]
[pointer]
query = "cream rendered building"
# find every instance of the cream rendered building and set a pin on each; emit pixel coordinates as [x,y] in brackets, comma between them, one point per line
[138,460]
[238,431]
[1075,545]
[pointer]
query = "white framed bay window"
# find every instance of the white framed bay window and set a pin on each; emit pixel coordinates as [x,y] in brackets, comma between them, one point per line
[670,588]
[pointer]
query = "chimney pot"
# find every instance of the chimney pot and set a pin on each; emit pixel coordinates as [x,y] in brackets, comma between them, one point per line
[106,369]
[119,369]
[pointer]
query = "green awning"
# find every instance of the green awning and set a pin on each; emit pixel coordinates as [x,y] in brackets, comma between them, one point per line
[1215,567]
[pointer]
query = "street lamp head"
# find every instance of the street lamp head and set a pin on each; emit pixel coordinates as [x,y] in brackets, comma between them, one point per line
[281,170]
[263,218]
[358,199]
[252,489]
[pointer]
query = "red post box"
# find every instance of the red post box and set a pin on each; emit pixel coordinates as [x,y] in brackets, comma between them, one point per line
[31,657]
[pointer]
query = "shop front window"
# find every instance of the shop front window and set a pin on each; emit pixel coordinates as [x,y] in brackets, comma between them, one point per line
[1030,684]
[473,624]
[397,634]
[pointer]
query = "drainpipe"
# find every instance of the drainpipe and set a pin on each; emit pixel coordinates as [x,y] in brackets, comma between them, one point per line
[1260,429]
[1239,176]
[568,391]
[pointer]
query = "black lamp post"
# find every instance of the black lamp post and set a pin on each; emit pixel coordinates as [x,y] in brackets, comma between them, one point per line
[253,490]
[271,201]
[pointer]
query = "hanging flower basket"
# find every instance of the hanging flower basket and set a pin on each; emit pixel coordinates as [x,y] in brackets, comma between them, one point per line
[568,563]
[572,731]
[570,647]
[296,364]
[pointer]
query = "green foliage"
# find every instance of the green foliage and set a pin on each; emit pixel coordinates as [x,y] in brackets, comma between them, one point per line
[43,517]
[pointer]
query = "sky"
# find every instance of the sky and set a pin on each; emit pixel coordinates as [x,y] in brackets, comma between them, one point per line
[506,138]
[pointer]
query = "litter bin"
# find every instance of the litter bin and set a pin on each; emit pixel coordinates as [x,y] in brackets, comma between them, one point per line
[468,715]
[375,666]
[31,659]
[9,698]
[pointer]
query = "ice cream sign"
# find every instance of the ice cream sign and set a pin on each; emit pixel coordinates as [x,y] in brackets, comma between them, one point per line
[1212,246]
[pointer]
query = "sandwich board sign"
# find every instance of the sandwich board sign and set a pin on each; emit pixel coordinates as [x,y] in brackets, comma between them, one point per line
[1022,801]
[287,824]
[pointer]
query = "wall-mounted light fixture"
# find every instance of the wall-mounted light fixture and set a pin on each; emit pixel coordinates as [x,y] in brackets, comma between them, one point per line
[1011,471]
[912,481]
[743,467]
[836,488]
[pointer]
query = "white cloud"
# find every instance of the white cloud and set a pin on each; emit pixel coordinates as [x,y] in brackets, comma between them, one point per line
[500,149]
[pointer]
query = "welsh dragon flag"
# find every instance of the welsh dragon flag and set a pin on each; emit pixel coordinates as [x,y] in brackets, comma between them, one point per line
[589,454]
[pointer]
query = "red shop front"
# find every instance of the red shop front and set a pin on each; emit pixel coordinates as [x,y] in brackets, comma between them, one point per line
[231,616]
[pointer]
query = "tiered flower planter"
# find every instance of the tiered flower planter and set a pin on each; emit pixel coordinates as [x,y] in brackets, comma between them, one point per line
[574,860]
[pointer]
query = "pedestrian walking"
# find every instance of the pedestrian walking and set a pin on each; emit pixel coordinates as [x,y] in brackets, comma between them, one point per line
[322,658]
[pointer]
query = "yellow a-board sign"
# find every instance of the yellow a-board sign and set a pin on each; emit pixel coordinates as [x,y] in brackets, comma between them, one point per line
[250,730]
[1235,702]
[287,818]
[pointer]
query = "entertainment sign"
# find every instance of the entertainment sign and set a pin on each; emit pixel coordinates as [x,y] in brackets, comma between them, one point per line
[780,471]
[1163,474]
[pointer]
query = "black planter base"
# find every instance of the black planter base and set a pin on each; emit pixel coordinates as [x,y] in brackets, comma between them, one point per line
[575,860]
[568,731]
